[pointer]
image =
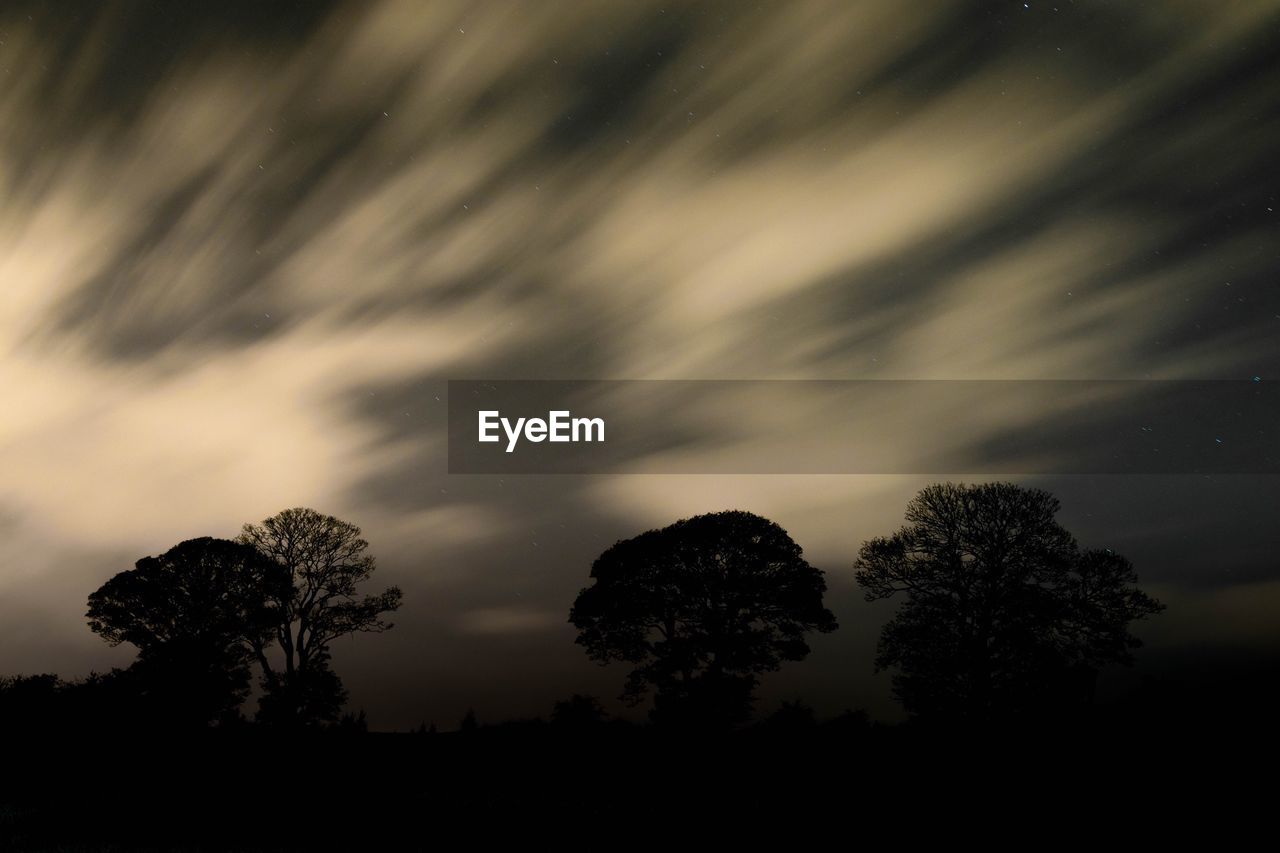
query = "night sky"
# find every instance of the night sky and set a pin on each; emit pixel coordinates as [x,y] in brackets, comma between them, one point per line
[243,248]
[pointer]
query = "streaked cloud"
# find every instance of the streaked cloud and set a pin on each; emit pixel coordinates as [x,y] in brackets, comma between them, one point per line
[239,261]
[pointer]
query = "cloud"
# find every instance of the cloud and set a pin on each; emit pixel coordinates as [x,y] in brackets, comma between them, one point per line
[240,256]
[507,620]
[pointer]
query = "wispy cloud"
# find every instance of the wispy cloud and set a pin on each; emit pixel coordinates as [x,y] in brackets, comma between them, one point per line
[239,258]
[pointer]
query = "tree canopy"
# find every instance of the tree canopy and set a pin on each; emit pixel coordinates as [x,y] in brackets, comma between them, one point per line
[1002,613]
[194,613]
[325,561]
[701,608]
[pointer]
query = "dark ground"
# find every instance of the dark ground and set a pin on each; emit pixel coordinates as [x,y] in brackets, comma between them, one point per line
[1157,765]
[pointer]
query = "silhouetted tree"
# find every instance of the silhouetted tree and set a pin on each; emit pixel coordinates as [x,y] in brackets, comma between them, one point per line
[850,721]
[106,704]
[30,702]
[578,711]
[701,608]
[353,723]
[469,723]
[790,717]
[325,561]
[1001,613]
[310,695]
[195,614]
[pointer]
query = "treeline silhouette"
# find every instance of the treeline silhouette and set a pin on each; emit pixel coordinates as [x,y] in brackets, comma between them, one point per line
[203,614]
[1002,616]
[1002,626]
